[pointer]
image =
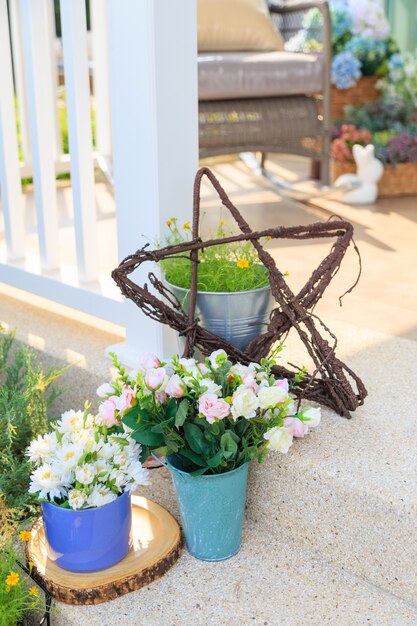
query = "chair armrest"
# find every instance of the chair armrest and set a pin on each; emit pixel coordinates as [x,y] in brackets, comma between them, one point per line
[304,5]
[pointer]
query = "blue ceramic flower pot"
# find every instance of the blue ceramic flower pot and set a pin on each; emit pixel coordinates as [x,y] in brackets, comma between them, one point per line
[90,539]
[212,509]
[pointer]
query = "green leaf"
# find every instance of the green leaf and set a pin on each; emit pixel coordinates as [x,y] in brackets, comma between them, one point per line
[192,456]
[182,412]
[120,440]
[229,444]
[131,417]
[216,459]
[147,437]
[199,472]
[171,409]
[195,438]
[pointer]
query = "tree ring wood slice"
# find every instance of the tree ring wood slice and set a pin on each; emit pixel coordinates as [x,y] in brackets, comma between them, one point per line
[156,547]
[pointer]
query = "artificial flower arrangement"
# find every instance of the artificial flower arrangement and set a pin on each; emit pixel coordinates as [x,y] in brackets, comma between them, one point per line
[214,415]
[229,267]
[401,81]
[361,42]
[86,461]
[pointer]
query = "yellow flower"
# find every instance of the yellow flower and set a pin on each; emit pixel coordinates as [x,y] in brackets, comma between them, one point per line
[34,591]
[186,226]
[25,535]
[31,565]
[12,579]
[222,222]
[168,222]
[286,274]
[243,264]
[7,589]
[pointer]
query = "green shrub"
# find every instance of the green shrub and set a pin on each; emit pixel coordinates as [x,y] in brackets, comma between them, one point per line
[26,394]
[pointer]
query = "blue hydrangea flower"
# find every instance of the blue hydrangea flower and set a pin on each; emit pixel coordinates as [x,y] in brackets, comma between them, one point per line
[366,48]
[346,70]
[395,66]
[342,22]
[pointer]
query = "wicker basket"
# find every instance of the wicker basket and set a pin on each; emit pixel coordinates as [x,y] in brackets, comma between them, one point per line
[364,91]
[397,180]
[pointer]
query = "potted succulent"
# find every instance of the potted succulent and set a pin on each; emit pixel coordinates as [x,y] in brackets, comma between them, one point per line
[85,470]
[234,297]
[210,419]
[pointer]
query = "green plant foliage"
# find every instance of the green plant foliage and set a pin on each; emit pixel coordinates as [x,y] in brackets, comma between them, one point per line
[21,597]
[222,268]
[26,394]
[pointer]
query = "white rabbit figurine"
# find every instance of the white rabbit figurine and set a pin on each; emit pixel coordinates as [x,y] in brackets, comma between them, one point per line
[364,182]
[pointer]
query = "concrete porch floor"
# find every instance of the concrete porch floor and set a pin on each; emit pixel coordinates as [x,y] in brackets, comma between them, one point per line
[331,539]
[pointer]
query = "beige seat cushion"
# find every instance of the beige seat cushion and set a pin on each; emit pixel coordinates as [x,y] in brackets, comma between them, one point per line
[236,25]
[232,75]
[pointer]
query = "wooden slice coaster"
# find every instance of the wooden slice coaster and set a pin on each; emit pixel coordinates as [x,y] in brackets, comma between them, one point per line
[156,547]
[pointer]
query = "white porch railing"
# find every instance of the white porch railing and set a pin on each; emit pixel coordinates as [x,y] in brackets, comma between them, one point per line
[145,100]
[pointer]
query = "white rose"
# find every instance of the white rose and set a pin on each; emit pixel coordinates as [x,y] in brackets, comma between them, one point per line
[313,416]
[217,358]
[279,439]
[100,496]
[244,403]
[77,499]
[211,386]
[85,474]
[105,390]
[269,397]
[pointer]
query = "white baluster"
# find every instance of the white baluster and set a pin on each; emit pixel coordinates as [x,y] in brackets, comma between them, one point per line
[35,25]
[74,36]
[11,192]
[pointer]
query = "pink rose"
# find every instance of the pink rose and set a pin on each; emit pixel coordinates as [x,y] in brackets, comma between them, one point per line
[283,382]
[107,410]
[213,407]
[295,426]
[175,388]
[154,378]
[126,400]
[149,360]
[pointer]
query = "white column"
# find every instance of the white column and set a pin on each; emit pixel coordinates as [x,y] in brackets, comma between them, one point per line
[35,29]
[74,37]
[153,87]
[10,186]
[99,32]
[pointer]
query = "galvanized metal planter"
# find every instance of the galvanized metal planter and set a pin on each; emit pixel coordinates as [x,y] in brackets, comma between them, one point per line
[237,316]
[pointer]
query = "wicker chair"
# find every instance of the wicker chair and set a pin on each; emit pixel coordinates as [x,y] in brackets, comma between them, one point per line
[269,101]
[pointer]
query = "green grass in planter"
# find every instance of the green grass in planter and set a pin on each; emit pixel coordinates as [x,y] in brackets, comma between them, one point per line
[223,268]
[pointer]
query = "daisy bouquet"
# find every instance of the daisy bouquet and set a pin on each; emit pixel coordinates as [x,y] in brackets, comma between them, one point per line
[85,461]
[214,415]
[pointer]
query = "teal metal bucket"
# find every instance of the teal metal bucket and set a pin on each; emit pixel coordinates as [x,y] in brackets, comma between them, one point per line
[212,509]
